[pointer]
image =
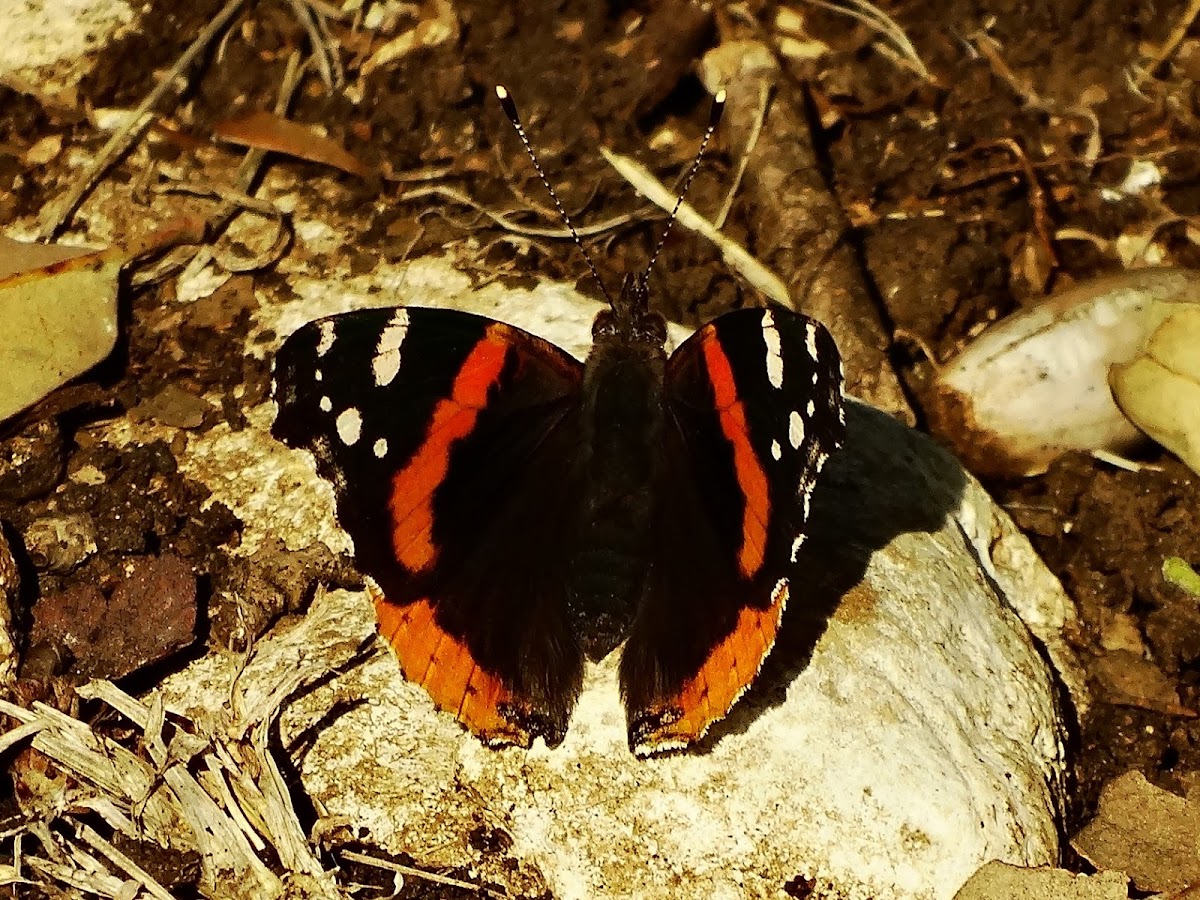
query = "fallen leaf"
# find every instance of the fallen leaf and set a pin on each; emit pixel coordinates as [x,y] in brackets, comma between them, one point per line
[1149,834]
[1131,680]
[1159,390]
[58,312]
[263,130]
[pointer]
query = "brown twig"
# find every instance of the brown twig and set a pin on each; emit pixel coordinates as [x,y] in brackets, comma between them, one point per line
[55,214]
[323,46]
[1174,39]
[1037,198]
[238,198]
[432,877]
[885,26]
[760,116]
[504,220]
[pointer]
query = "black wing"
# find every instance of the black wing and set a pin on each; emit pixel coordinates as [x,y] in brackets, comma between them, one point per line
[443,435]
[756,400]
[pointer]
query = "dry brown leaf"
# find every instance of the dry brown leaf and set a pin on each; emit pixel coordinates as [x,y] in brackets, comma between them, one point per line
[1130,680]
[263,130]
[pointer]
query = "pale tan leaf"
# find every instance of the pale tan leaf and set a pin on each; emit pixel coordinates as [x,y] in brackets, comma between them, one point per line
[1160,389]
[58,312]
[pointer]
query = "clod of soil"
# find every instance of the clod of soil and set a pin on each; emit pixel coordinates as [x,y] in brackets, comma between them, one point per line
[150,615]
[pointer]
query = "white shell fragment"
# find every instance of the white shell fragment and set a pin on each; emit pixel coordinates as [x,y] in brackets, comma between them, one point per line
[1160,389]
[1036,385]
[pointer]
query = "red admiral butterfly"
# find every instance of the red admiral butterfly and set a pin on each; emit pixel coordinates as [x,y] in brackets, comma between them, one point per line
[520,511]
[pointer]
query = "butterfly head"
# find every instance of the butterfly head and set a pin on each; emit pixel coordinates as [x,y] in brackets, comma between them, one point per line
[630,320]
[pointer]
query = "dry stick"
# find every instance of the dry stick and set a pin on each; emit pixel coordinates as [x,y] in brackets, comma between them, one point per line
[92,838]
[238,198]
[389,866]
[988,47]
[764,96]
[503,220]
[546,212]
[248,171]
[55,214]
[329,11]
[883,24]
[735,255]
[1174,39]
[328,63]
[1037,197]
[425,173]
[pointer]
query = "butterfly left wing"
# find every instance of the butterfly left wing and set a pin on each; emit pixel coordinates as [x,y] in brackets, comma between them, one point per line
[443,435]
[756,402]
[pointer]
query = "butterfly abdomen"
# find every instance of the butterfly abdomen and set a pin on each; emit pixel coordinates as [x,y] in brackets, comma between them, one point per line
[621,419]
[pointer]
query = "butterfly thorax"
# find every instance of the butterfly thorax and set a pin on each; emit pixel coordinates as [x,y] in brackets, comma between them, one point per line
[621,415]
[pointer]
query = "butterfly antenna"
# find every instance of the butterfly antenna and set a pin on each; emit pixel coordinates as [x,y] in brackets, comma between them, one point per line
[510,110]
[714,116]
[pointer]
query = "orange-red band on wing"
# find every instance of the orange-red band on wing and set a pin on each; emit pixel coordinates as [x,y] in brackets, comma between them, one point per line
[413,486]
[750,475]
[444,667]
[726,674]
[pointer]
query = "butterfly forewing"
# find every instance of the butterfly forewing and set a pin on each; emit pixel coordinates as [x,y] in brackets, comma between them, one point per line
[756,401]
[446,436]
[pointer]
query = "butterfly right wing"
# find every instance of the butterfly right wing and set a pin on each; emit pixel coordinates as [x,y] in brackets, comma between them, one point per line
[447,437]
[756,400]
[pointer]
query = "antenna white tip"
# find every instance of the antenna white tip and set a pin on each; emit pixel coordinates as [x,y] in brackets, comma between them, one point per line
[720,97]
[502,92]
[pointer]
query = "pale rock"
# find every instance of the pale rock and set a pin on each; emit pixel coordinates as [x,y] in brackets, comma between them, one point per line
[906,729]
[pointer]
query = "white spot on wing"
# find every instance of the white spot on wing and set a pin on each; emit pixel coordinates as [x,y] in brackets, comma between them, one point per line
[812,408]
[779,595]
[326,341]
[810,339]
[380,448]
[349,426]
[796,545]
[318,375]
[776,450]
[387,352]
[326,404]
[795,430]
[774,350]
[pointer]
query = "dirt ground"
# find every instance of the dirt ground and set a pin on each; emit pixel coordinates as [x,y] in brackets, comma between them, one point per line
[953,192]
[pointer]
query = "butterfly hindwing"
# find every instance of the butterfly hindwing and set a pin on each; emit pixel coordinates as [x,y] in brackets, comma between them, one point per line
[447,438]
[756,401]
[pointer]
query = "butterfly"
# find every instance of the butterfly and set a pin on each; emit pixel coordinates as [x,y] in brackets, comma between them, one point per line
[520,512]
